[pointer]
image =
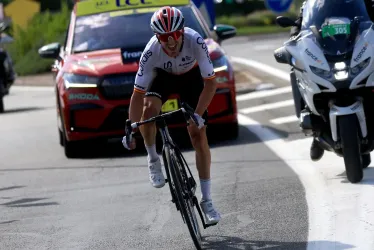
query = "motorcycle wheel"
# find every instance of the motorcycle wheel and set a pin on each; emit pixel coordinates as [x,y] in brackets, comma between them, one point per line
[366,160]
[297,98]
[1,105]
[351,147]
[2,91]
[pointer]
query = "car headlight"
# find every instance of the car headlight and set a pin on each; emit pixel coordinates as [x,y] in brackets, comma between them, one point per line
[220,64]
[80,81]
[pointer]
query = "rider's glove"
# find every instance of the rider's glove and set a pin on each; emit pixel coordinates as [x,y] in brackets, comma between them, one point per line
[200,120]
[127,140]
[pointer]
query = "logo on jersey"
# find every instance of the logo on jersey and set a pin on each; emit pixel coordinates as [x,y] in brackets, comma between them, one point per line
[139,87]
[201,42]
[186,58]
[168,65]
[186,61]
[142,62]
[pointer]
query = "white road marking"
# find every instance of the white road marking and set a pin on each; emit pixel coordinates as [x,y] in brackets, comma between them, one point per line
[263,93]
[285,119]
[267,106]
[263,67]
[265,46]
[319,200]
[340,213]
[30,88]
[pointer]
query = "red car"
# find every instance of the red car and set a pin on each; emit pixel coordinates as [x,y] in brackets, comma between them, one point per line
[94,78]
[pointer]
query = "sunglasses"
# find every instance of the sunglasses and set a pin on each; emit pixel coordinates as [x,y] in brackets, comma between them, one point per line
[165,37]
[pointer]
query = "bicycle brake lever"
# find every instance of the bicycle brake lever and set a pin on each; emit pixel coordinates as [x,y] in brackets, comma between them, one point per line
[190,112]
[128,131]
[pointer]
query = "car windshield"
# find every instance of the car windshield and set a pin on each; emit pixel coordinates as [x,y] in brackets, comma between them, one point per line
[337,22]
[118,30]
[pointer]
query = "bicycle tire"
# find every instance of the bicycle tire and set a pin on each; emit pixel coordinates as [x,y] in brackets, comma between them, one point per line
[191,185]
[185,205]
[171,185]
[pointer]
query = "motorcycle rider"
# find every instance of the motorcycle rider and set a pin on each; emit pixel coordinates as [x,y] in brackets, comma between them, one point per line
[316,151]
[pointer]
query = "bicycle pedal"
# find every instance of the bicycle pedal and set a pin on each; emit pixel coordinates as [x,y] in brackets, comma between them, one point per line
[210,225]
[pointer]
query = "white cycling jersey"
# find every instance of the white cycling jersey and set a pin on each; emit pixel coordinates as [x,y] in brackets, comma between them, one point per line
[193,53]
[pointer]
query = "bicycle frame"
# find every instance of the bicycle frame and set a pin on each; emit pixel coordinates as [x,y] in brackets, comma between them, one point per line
[169,143]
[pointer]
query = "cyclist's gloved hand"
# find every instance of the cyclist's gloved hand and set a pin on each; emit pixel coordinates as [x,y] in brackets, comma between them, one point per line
[200,120]
[128,141]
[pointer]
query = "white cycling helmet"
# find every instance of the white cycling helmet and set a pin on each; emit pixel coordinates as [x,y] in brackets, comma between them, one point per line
[166,20]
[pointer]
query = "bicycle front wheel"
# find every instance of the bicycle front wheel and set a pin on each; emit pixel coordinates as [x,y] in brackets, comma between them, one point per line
[182,193]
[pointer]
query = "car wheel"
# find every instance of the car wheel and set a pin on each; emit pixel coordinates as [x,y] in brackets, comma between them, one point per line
[227,131]
[61,137]
[71,148]
[1,97]
[231,130]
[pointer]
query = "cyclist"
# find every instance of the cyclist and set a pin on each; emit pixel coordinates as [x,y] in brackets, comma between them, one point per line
[175,60]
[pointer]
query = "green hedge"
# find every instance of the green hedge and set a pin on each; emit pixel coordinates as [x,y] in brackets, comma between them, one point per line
[42,29]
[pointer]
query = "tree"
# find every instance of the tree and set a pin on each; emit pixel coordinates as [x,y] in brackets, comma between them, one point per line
[5,2]
[54,5]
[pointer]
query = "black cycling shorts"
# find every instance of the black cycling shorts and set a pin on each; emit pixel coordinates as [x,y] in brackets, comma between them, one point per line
[188,86]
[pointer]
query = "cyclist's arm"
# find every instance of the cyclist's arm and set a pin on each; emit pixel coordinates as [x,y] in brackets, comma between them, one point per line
[143,78]
[136,106]
[207,72]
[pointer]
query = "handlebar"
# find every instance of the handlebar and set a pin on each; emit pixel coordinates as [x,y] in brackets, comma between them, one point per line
[186,109]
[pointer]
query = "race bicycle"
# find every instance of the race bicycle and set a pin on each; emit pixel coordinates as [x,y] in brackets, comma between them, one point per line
[178,174]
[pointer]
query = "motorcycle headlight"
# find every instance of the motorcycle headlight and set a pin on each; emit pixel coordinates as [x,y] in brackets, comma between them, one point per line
[325,74]
[80,81]
[220,64]
[360,67]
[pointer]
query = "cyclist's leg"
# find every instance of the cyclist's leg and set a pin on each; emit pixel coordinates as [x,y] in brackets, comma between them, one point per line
[155,97]
[192,85]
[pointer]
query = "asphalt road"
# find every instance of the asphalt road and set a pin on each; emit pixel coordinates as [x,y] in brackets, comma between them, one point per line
[339,213]
[270,195]
[50,202]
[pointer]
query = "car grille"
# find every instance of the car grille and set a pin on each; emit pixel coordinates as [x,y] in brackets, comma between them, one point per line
[119,86]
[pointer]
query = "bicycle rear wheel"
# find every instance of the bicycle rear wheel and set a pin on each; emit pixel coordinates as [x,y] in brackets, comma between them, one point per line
[183,194]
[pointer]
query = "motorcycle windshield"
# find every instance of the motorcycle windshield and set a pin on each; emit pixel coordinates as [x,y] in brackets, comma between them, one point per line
[337,22]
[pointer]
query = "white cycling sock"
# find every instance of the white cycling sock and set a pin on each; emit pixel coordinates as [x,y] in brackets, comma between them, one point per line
[205,189]
[152,153]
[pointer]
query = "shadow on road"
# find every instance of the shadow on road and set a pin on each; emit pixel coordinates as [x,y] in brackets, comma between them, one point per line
[367,180]
[232,243]
[24,202]
[10,188]
[19,110]
[27,202]
[7,222]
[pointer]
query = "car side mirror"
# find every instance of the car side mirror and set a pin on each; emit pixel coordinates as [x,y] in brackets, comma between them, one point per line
[51,51]
[285,22]
[224,31]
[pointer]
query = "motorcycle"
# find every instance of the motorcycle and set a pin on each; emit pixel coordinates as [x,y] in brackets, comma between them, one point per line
[7,73]
[332,59]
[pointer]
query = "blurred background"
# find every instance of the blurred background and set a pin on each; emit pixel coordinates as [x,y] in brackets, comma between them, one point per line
[33,23]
